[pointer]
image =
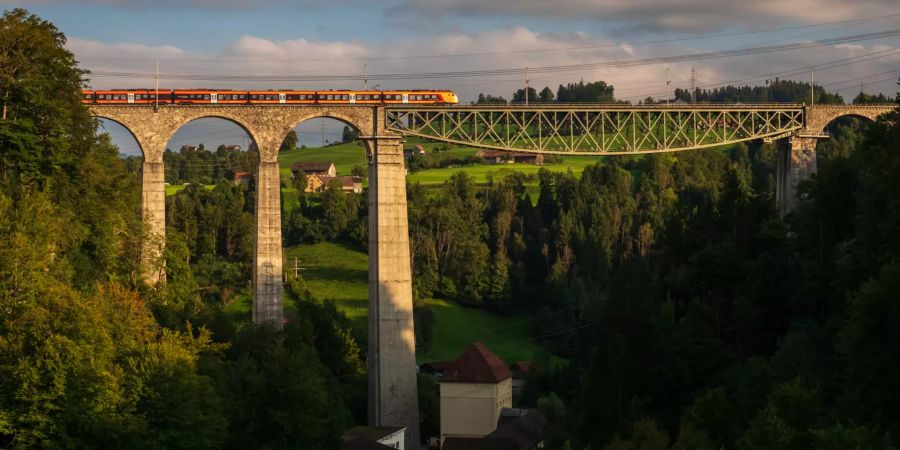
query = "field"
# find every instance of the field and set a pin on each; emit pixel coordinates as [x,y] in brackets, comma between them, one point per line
[339,271]
[344,157]
[171,189]
[455,327]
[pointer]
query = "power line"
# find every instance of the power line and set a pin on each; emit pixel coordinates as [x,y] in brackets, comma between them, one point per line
[795,71]
[531,51]
[519,70]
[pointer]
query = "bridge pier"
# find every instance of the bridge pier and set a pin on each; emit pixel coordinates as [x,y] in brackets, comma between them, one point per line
[795,164]
[153,216]
[267,257]
[393,393]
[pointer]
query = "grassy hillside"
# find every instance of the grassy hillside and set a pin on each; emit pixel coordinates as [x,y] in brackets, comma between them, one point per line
[455,327]
[339,271]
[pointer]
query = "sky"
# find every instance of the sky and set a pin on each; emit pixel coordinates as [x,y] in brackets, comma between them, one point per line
[121,41]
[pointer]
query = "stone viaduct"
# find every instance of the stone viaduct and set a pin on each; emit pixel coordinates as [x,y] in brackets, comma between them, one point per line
[391,358]
[393,398]
[799,162]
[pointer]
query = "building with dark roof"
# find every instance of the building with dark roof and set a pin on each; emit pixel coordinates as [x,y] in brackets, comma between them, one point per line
[475,387]
[476,365]
[364,438]
[361,443]
[325,168]
[501,157]
[517,429]
[243,177]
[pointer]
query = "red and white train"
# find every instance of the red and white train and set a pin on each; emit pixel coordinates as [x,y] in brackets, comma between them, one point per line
[271,97]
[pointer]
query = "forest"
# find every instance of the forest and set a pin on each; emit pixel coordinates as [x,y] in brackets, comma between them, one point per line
[689,315]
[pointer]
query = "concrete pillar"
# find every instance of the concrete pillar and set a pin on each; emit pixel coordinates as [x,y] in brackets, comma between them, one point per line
[795,164]
[267,258]
[153,216]
[393,399]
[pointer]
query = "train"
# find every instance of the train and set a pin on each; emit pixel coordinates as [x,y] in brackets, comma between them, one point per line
[269,97]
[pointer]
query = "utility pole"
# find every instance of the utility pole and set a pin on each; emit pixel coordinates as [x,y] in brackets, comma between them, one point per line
[156,103]
[365,77]
[526,85]
[812,86]
[323,131]
[667,86]
[693,85]
[296,268]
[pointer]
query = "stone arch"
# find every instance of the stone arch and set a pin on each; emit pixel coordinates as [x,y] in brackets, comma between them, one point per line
[131,133]
[179,121]
[819,117]
[865,117]
[363,120]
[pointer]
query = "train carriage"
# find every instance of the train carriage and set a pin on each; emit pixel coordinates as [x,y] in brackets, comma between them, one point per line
[192,96]
[268,97]
[300,97]
[229,97]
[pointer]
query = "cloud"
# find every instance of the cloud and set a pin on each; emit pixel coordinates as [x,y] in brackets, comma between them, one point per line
[657,15]
[514,47]
[197,4]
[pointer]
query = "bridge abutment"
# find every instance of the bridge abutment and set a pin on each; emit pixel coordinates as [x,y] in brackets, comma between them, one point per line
[267,257]
[393,393]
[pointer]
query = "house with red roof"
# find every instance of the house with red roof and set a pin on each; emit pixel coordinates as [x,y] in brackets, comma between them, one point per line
[475,387]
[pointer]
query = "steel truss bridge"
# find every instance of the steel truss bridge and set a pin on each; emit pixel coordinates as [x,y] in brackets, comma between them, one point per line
[578,129]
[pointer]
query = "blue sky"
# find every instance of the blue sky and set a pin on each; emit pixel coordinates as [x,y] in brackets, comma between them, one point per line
[292,37]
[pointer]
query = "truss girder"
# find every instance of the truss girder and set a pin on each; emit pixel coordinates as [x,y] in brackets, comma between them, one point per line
[594,130]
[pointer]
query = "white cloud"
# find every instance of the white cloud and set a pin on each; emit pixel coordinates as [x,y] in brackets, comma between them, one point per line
[503,48]
[659,15]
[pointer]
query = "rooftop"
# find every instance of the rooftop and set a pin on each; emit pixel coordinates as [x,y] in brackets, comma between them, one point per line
[481,443]
[372,433]
[476,365]
[312,166]
[361,443]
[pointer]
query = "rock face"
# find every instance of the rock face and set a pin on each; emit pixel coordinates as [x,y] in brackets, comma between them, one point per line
[392,368]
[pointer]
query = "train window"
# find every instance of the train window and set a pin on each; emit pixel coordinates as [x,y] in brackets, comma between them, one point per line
[376,97]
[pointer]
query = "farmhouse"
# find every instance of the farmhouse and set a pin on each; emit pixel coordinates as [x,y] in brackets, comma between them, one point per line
[500,157]
[314,168]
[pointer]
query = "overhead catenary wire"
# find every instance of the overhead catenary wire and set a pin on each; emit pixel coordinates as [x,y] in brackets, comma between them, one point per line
[842,62]
[526,51]
[513,70]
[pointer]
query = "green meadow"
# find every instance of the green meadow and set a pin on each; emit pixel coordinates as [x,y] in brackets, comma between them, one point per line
[338,271]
